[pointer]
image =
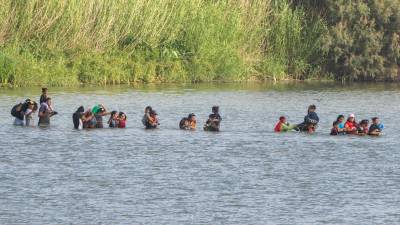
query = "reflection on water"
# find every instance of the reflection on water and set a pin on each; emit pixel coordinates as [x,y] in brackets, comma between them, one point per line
[245,174]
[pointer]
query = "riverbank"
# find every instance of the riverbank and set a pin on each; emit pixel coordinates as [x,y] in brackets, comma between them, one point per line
[58,43]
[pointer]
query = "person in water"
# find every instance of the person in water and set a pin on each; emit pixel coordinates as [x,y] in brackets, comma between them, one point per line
[362,129]
[43,97]
[335,128]
[214,120]
[122,120]
[88,119]
[29,112]
[18,112]
[188,123]
[311,120]
[99,111]
[146,115]
[45,113]
[283,125]
[113,121]
[152,120]
[77,117]
[341,124]
[376,127]
[351,125]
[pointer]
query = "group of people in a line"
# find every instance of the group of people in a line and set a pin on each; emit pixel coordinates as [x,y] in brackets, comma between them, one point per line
[339,127]
[93,118]
[24,112]
[350,126]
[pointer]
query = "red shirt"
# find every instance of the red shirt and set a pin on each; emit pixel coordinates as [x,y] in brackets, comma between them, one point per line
[122,124]
[278,127]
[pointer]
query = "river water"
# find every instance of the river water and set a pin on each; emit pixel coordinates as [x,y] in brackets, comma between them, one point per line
[246,174]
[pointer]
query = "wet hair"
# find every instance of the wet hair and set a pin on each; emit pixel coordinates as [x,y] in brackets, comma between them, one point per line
[148,108]
[335,123]
[374,119]
[191,115]
[340,116]
[122,114]
[80,109]
[153,112]
[312,107]
[44,89]
[215,109]
[282,118]
[113,113]
[364,122]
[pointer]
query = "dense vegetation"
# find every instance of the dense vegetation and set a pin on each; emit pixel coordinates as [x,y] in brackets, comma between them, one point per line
[69,42]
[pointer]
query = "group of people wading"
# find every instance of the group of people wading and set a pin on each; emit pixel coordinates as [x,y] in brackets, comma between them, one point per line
[93,118]
[339,127]
[24,112]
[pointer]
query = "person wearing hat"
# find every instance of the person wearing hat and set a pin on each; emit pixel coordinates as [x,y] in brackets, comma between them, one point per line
[283,126]
[214,120]
[188,123]
[351,124]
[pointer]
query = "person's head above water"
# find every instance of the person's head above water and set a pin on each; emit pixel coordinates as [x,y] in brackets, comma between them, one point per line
[122,115]
[375,120]
[352,117]
[148,109]
[312,108]
[114,114]
[153,113]
[282,119]
[192,117]
[364,123]
[44,90]
[80,109]
[215,109]
[335,124]
[340,118]
[48,101]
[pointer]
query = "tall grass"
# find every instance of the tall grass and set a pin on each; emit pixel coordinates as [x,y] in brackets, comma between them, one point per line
[68,42]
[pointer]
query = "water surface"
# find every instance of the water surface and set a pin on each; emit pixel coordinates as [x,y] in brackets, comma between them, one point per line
[245,174]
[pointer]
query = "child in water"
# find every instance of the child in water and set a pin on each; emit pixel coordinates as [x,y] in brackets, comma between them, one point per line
[113,121]
[188,123]
[152,120]
[362,129]
[335,128]
[121,120]
[283,126]
[214,120]
[376,127]
[311,120]
[31,110]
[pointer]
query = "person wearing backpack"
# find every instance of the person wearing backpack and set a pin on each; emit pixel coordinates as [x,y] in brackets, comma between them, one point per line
[18,112]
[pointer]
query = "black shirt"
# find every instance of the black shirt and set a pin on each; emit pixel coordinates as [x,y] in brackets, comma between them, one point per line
[374,127]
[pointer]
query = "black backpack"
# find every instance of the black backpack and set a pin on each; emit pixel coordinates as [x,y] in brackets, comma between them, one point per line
[16,110]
